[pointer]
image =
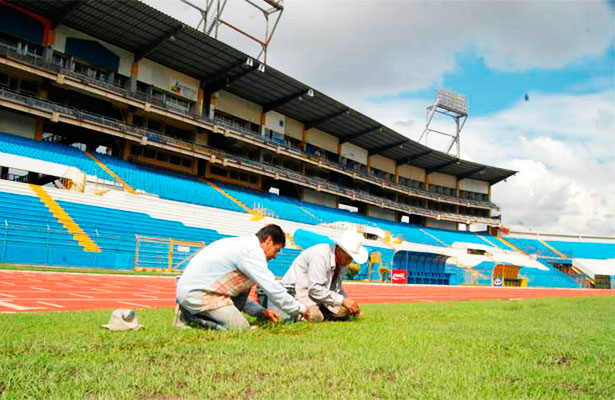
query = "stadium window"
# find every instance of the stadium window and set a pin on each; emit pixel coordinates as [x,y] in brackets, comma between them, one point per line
[187,162]
[253,179]
[234,175]
[27,86]
[154,125]
[281,123]
[135,150]
[218,171]
[176,160]
[4,79]
[164,157]
[149,153]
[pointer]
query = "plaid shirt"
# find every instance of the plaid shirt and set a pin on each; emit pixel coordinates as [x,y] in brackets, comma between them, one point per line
[220,292]
[225,269]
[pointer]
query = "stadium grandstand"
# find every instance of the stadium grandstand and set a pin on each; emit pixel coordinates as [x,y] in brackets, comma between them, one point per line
[129,140]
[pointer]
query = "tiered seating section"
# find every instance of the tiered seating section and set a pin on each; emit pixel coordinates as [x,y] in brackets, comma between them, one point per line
[114,230]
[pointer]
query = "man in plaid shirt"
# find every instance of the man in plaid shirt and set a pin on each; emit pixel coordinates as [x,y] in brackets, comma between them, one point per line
[215,285]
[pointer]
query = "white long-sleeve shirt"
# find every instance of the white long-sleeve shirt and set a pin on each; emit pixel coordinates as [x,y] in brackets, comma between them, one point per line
[226,268]
[312,274]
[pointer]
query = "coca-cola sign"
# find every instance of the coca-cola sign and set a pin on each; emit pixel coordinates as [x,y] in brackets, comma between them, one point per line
[399,276]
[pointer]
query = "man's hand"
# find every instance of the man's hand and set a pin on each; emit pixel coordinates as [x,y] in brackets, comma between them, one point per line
[272,315]
[351,305]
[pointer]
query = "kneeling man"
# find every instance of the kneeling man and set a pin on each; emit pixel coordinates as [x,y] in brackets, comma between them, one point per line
[215,285]
[317,275]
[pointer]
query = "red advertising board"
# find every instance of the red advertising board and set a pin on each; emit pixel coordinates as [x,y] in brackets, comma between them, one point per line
[399,276]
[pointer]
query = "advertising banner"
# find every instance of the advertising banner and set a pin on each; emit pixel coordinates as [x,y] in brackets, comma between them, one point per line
[399,276]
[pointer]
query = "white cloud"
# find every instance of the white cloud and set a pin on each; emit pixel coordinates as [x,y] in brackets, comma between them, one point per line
[562,145]
[347,48]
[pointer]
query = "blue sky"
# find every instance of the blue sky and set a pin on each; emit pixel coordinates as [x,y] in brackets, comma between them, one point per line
[491,90]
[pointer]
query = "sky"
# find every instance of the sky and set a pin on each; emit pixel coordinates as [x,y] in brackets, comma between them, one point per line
[539,76]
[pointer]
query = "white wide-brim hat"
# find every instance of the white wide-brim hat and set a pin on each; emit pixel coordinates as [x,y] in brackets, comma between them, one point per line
[123,320]
[352,243]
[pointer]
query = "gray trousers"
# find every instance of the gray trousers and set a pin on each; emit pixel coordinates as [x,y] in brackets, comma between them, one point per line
[224,318]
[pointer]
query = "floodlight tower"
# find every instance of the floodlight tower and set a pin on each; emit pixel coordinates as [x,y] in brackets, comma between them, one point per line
[453,105]
[211,19]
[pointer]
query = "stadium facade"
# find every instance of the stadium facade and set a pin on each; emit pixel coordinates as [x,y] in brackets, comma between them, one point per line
[172,97]
[196,133]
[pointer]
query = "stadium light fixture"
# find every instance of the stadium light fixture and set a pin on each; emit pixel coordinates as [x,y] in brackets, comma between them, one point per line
[450,104]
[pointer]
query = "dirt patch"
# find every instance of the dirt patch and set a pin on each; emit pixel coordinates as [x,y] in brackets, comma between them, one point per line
[570,386]
[2,387]
[250,393]
[159,396]
[380,373]
[560,360]
[507,381]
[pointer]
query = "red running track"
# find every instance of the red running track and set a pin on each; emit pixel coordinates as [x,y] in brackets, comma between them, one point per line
[30,291]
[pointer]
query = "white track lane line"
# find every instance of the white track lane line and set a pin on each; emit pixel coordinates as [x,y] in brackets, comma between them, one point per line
[6,295]
[19,308]
[133,304]
[50,304]
[41,289]
[146,296]
[81,295]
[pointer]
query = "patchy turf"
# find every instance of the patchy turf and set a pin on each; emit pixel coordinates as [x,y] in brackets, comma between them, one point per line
[535,348]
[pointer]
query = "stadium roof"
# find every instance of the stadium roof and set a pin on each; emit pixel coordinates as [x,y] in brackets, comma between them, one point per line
[147,32]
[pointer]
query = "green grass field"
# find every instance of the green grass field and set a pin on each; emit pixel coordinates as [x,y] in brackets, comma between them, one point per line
[537,348]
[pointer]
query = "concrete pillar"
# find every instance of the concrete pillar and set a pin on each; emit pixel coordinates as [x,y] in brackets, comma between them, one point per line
[38,133]
[304,140]
[369,164]
[134,74]
[263,122]
[457,188]
[397,169]
[199,102]
[212,105]
[126,152]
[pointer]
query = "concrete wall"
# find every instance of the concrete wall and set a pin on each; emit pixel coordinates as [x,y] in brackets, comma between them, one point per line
[168,80]
[472,185]
[322,139]
[412,172]
[354,153]
[442,180]
[273,120]
[242,108]
[378,212]
[126,57]
[293,128]
[324,199]
[383,163]
[17,123]
[434,223]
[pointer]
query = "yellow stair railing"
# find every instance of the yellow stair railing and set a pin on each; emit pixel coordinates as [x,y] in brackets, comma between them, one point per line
[257,215]
[433,237]
[553,249]
[62,216]
[510,245]
[122,182]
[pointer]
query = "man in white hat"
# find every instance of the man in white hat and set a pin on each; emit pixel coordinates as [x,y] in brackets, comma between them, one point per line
[317,275]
